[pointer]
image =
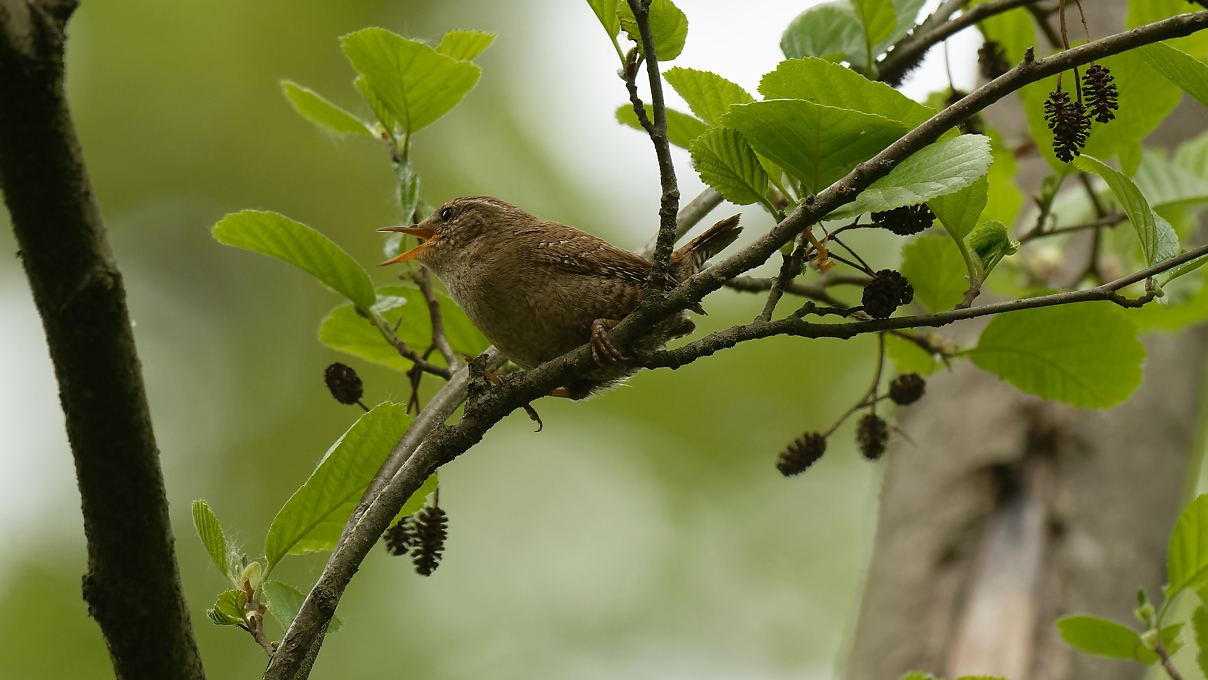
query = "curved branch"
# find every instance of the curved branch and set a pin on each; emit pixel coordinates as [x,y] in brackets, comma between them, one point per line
[133,584]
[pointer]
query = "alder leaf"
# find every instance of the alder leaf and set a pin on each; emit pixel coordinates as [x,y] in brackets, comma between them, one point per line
[1084,354]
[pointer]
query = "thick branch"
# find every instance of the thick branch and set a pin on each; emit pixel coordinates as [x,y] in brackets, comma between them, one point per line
[133,584]
[485,408]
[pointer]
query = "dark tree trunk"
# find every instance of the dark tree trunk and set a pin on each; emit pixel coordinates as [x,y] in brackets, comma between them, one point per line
[132,586]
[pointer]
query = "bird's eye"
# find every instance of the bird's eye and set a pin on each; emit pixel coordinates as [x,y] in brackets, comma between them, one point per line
[446,214]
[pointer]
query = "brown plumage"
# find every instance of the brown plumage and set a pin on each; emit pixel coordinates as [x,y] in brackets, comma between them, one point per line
[538,289]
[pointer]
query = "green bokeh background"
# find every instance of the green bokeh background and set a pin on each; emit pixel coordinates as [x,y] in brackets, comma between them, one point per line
[642,534]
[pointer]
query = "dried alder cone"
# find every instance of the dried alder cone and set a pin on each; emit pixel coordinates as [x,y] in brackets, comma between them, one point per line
[1070,120]
[801,454]
[904,221]
[423,535]
[539,289]
[1099,90]
[992,60]
[1069,123]
[887,290]
[872,436]
[907,389]
[343,383]
[429,540]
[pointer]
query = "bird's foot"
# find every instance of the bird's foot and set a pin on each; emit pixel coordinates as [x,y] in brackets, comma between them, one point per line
[602,349]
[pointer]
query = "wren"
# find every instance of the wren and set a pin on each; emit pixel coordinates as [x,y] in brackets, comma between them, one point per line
[538,289]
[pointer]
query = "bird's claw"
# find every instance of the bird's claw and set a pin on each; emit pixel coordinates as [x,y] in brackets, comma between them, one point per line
[602,350]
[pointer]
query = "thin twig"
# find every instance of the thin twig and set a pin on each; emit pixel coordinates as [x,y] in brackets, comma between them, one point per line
[1042,19]
[790,267]
[814,291]
[405,350]
[1111,220]
[656,285]
[439,339]
[1173,672]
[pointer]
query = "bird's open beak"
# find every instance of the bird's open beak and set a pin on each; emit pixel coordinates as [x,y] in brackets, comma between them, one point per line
[429,236]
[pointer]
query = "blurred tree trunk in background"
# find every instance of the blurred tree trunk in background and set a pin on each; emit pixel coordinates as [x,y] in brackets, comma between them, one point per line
[996,523]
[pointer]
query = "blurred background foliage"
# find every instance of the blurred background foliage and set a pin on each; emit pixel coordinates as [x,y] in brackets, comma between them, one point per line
[642,534]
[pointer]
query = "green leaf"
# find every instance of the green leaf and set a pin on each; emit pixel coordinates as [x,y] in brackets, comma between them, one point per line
[1159,242]
[340,478]
[1173,317]
[936,270]
[276,235]
[816,144]
[829,84]
[1141,12]
[878,19]
[727,163]
[1192,155]
[668,25]
[329,117]
[385,118]
[346,330]
[907,12]
[681,127]
[414,83]
[606,12]
[939,169]
[960,210]
[1187,564]
[212,537]
[1180,68]
[1199,623]
[228,608]
[285,601]
[464,45]
[830,30]
[1145,100]
[1166,184]
[1086,354]
[908,357]
[1100,637]
[707,94]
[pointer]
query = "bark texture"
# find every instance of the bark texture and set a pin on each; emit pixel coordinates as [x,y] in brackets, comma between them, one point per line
[132,585]
[1018,511]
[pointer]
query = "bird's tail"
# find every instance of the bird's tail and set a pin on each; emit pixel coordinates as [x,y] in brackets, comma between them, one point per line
[689,259]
